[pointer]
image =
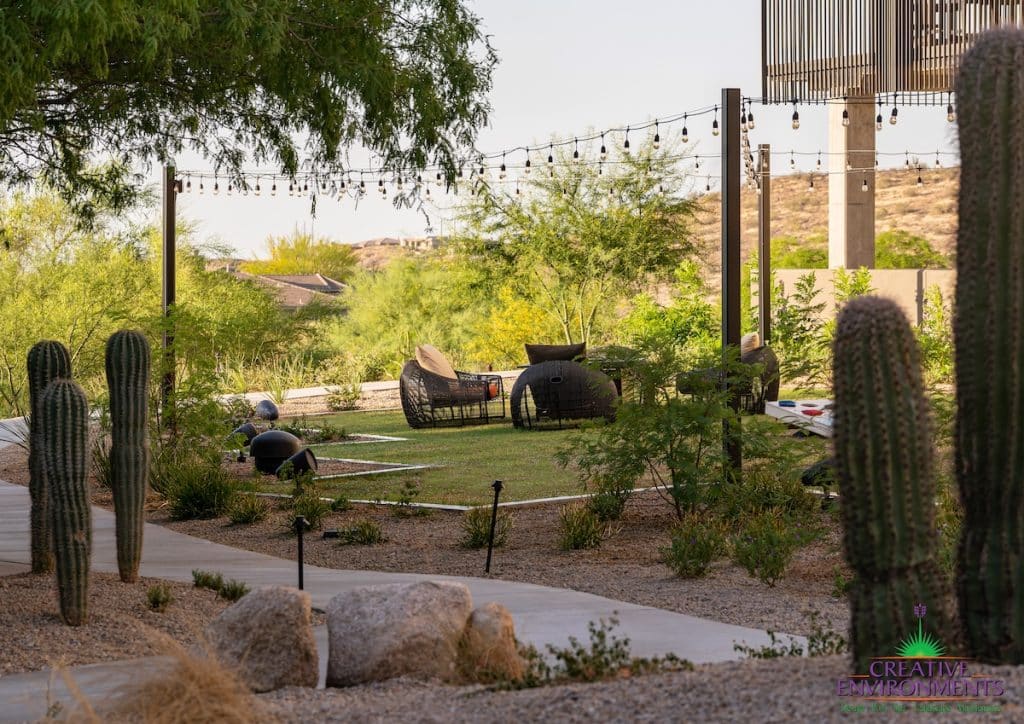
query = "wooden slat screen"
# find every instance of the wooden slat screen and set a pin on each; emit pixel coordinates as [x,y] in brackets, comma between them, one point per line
[815,50]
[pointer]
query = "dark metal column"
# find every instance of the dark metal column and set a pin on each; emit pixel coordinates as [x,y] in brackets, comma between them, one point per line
[764,242]
[171,188]
[732,174]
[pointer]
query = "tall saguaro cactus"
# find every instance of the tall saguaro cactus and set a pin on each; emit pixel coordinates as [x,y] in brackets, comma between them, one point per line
[988,328]
[65,423]
[127,363]
[47,361]
[884,465]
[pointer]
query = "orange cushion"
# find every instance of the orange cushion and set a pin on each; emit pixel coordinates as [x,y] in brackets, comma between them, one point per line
[432,360]
[492,390]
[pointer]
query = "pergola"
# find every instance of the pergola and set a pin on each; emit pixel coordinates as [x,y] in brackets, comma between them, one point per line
[848,53]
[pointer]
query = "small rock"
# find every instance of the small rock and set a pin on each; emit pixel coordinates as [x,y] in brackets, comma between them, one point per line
[267,637]
[489,652]
[402,629]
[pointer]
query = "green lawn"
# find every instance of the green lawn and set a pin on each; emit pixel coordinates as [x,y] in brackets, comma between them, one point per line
[469,460]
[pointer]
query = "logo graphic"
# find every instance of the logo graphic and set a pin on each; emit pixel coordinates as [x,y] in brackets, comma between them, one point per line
[920,677]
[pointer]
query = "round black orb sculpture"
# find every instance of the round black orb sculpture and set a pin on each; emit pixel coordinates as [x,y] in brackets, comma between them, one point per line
[247,431]
[267,410]
[297,464]
[271,448]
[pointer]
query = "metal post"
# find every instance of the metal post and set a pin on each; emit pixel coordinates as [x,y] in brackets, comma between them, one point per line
[764,243]
[731,178]
[494,521]
[300,527]
[171,188]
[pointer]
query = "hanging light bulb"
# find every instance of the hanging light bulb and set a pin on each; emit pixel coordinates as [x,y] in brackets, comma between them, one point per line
[625,145]
[501,171]
[878,118]
[575,151]
[341,185]
[551,156]
[657,136]
[362,183]
[819,161]
[526,166]
[419,179]
[750,120]
[950,113]
[273,189]
[257,189]
[743,119]
[517,188]
[201,186]
[846,117]
[482,171]
[323,186]
[698,163]
[600,168]
[714,124]
[686,131]
[895,111]
[437,178]
[707,187]
[188,185]
[216,186]
[291,188]
[864,186]
[792,162]
[920,180]
[796,117]
[604,149]
[229,188]
[906,163]
[427,194]
[876,159]
[938,163]
[810,185]
[398,183]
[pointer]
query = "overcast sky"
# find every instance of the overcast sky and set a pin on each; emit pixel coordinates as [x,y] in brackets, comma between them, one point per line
[566,67]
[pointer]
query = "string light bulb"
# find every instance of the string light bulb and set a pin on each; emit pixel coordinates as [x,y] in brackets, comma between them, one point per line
[437,179]
[743,118]
[625,145]
[796,117]
[188,184]
[938,163]
[657,136]
[878,118]
[750,120]
[686,131]
[819,161]
[216,187]
[950,112]
[864,186]
[810,185]
[229,188]
[526,166]
[576,151]
[257,186]
[714,123]
[895,111]
[273,189]
[792,161]
[604,149]
[502,171]
[920,180]
[707,186]
[291,188]
[698,163]
[200,186]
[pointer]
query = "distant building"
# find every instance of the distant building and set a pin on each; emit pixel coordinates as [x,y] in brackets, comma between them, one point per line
[416,243]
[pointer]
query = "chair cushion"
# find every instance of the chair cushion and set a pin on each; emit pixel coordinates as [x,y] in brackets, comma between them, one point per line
[432,360]
[492,390]
[538,353]
[750,342]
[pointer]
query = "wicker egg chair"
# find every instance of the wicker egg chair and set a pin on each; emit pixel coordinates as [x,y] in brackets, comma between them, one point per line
[560,391]
[430,400]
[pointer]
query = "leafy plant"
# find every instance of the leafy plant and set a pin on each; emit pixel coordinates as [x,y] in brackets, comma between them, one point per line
[798,336]
[407,494]
[764,547]
[696,541]
[341,504]
[344,397]
[579,527]
[248,509]
[362,532]
[608,505]
[841,583]
[476,527]
[232,590]
[195,487]
[207,579]
[899,249]
[159,597]
[820,642]
[311,506]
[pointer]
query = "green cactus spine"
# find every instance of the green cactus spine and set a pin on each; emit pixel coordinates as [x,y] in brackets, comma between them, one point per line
[65,422]
[127,363]
[989,334]
[884,466]
[47,361]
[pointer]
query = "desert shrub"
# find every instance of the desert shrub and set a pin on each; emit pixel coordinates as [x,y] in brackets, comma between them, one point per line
[608,505]
[207,579]
[101,461]
[313,433]
[821,641]
[362,532]
[344,397]
[407,494]
[950,521]
[195,487]
[232,590]
[159,597]
[764,547]
[899,249]
[579,528]
[237,410]
[248,509]
[312,507]
[476,527]
[696,541]
[341,504]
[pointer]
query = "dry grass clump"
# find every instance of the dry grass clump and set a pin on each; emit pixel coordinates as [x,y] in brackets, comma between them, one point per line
[193,689]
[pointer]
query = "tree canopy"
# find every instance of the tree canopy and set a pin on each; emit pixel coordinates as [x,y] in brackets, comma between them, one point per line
[301,253]
[231,79]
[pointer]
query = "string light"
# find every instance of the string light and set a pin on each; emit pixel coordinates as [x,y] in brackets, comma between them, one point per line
[526,166]
[229,188]
[714,124]
[604,150]
[796,116]
[895,111]
[437,179]
[576,151]
[625,145]
[216,187]
[878,118]
[920,180]
[686,131]
[551,156]
[792,161]
[743,117]
[810,185]
[819,165]
[950,113]
[750,119]
[907,162]
[501,172]
[380,187]
[707,187]
[257,185]
[291,188]
[846,112]
[864,185]
[188,185]
[697,167]
[657,136]
[200,186]
[938,163]
[273,189]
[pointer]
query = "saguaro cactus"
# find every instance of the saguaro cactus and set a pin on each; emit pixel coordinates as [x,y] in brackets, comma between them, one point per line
[884,466]
[988,328]
[127,364]
[65,423]
[47,361]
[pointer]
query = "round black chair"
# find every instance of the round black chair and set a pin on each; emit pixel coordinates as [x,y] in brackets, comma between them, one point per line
[561,391]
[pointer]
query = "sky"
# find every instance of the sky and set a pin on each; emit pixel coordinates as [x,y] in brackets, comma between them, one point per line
[568,67]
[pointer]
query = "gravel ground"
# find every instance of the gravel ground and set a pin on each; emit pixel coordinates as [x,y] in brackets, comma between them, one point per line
[626,567]
[780,690]
[120,625]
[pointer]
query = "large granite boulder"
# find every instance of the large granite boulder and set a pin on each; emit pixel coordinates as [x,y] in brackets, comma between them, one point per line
[489,651]
[267,637]
[402,629]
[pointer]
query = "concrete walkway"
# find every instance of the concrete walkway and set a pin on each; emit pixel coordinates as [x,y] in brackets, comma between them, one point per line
[542,615]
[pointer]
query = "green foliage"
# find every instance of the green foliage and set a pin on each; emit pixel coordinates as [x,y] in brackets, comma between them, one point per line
[608,505]
[344,397]
[764,547]
[340,504]
[841,584]
[196,486]
[408,491]
[158,597]
[476,527]
[301,253]
[107,77]
[820,642]
[232,590]
[798,336]
[899,249]
[575,242]
[788,252]
[606,656]
[313,433]
[207,579]
[935,336]
[307,502]
[248,509]
[579,528]
[363,532]
[696,541]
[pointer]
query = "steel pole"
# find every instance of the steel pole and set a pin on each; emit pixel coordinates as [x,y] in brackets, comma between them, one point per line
[764,243]
[169,284]
[732,172]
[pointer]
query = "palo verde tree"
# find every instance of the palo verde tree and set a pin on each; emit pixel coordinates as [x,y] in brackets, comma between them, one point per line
[142,79]
[575,238]
[302,253]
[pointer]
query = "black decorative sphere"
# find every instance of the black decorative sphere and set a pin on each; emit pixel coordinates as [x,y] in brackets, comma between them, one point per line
[247,431]
[267,410]
[271,448]
[299,463]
